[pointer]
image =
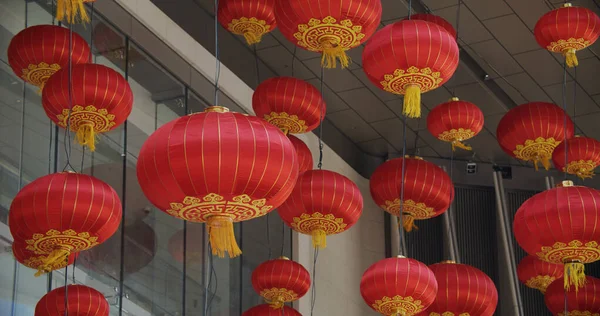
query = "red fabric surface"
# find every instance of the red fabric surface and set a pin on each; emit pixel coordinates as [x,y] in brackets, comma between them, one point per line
[399,276]
[435,19]
[267,310]
[580,148]
[228,154]
[305,159]
[21,255]
[236,9]
[567,23]
[454,115]
[62,201]
[463,289]
[292,96]
[81,301]
[562,214]
[48,44]
[532,267]
[587,299]
[281,274]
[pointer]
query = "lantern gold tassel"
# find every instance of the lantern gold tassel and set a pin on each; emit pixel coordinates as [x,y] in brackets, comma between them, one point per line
[319,238]
[574,275]
[276,303]
[222,238]
[331,53]
[459,144]
[571,58]
[252,38]
[585,174]
[408,222]
[70,10]
[412,101]
[86,136]
[53,259]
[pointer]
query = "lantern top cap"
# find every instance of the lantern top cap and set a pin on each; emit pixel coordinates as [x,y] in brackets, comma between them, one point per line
[413,157]
[400,257]
[448,262]
[565,184]
[567,5]
[216,108]
[454,99]
[283,258]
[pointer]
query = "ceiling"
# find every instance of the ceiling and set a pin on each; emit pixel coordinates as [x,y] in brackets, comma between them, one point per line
[501,66]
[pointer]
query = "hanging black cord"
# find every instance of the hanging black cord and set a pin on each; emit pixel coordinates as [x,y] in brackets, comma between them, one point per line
[564,100]
[458,19]
[401,212]
[282,239]
[66,290]
[321,115]
[409,9]
[313,298]
[67,136]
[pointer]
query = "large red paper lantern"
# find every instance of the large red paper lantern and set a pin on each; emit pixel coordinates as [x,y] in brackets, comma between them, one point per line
[428,190]
[280,281]
[305,159]
[80,300]
[436,20]
[34,261]
[455,121]
[291,104]
[560,226]
[410,57]
[531,131]
[64,213]
[217,167]
[538,274]
[566,30]
[462,290]
[327,26]
[583,156]
[100,100]
[194,250]
[267,310]
[252,19]
[39,51]
[584,302]
[323,203]
[398,286]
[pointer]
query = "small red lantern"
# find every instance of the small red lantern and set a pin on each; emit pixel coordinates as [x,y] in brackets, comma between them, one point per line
[267,310]
[78,300]
[250,19]
[305,159]
[31,260]
[291,104]
[410,57]
[39,51]
[538,274]
[100,100]
[64,213]
[531,131]
[280,281]
[398,286]
[322,203]
[572,215]
[194,251]
[584,302]
[436,20]
[455,121]
[462,290]
[583,156]
[428,191]
[566,30]
[217,167]
[327,26]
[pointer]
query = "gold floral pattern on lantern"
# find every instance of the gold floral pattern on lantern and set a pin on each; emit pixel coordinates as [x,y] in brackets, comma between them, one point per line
[574,250]
[540,282]
[424,78]
[239,208]
[538,150]
[277,295]
[456,134]
[561,46]
[287,123]
[581,168]
[100,120]
[307,223]
[398,305]
[416,210]
[39,74]
[68,239]
[250,25]
[579,313]
[313,35]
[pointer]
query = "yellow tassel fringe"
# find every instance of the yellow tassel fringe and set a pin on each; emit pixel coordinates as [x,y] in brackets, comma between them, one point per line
[574,275]
[408,222]
[222,238]
[71,11]
[277,303]
[571,58]
[53,259]
[86,136]
[252,38]
[543,159]
[412,101]
[333,52]
[319,238]
[459,144]
[585,174]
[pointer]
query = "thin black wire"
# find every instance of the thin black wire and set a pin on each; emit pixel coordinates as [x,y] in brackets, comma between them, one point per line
[282,239]
[67,135]
[409,9]
[313,297]
[458,19]
[66,290]
[321,115]
[564,100]
[217,61]
[400,213]
[294,59]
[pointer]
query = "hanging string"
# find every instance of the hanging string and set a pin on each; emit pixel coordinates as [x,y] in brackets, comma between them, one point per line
[67,135]
[313,298]
[416,151]
[217,61]
[294,59]
[66,290]
[321,115]
[257,66]
[409,9]
[401,212]
[564,100]
[458,19]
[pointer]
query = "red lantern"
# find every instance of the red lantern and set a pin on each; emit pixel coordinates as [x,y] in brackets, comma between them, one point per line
[280,281]
[267,310]
[428,191]
[436,20]
[70,11]
[31,260]
[538,274]
[305,159]
[584,302]
[327,26]
[194,251]
[80,300]
[217,167]
[398,286]
[64,213]
[39,51]
[101,100]
[250,19]
[559,226]
[323,203]
[291,104]
[583,156]
[462,290]
[410,57]
[531,131]
[455,121]
[566,30]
